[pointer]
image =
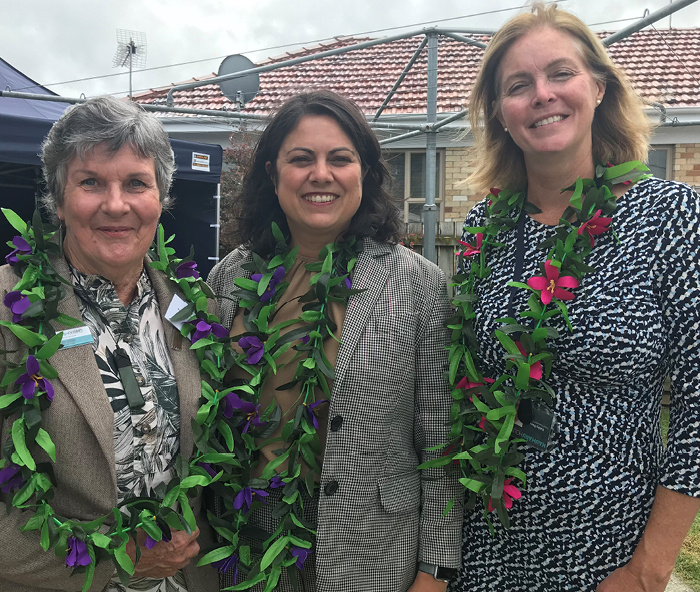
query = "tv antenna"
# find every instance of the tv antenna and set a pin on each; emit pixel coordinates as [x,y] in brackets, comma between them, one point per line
[131,52]
[242,89]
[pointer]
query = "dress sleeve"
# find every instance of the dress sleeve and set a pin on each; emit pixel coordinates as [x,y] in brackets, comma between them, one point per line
[676,271]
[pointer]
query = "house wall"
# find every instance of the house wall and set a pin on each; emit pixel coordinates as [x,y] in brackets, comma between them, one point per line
[686,164]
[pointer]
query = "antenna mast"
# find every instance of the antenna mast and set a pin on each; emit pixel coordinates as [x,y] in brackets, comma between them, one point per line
[131,52]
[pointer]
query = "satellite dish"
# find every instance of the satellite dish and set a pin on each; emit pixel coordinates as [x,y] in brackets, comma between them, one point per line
[243,89]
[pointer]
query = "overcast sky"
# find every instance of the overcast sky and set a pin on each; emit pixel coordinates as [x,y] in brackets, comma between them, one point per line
[59,41]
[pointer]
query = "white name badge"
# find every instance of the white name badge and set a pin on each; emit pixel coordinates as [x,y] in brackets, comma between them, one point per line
[76,336]
[176,305]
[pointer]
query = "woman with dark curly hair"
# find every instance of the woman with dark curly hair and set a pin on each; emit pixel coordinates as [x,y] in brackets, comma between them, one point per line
[335,421]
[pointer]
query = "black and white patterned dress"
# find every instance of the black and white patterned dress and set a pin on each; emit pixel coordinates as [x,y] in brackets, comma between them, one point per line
[636,319]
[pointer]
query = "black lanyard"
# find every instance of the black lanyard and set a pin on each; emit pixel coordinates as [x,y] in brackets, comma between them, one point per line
[519,260]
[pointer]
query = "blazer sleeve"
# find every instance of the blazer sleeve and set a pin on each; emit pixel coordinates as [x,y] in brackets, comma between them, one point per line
[24,565]
[440,541]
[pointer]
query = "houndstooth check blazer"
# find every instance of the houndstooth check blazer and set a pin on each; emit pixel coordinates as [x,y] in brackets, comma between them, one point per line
[380,515]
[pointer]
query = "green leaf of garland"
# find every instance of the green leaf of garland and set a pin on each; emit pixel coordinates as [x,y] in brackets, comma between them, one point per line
[20,445]
[44,440]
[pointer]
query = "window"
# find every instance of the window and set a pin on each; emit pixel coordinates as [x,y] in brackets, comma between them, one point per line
[408,171]
[661,161]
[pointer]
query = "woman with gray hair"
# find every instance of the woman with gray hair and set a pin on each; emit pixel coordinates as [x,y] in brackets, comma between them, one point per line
[124,390]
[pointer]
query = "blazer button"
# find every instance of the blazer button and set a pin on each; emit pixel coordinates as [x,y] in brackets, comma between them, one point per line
[336,422]
[331,487]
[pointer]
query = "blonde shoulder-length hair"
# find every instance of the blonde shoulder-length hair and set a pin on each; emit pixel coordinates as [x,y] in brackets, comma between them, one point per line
[620,130]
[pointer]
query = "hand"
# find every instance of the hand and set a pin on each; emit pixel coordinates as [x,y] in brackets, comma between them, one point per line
[627,579]
[426,583]
[165,559]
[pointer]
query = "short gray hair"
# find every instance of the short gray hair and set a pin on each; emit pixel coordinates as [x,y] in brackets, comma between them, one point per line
[111,123]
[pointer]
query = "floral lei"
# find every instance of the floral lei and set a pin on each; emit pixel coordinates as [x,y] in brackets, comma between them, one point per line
[225,426]
[28,392]
[245,428]
[484,409]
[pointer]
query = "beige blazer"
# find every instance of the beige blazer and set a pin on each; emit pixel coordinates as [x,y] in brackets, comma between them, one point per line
[80,422]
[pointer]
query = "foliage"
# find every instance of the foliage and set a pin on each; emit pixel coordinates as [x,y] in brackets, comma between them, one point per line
[485,408]
[27,393]
[243,428]
[237,159]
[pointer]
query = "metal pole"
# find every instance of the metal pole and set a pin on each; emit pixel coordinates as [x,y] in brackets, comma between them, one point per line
[652,18]
[217,226]
[430,209]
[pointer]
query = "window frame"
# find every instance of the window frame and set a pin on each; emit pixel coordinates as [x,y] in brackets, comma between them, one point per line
[440,188]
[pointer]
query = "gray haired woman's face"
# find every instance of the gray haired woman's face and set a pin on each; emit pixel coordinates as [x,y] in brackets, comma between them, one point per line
[110,208]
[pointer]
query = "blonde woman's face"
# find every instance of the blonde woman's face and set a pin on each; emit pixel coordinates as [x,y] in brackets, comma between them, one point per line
[547,96]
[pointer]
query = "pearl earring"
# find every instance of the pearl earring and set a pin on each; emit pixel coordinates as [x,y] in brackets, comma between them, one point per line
[597,102]
[505,129]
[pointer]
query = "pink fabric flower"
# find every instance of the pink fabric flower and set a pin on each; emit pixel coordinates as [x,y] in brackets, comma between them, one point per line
[510,493]
[536,368]
[596,225]
[551,285]
[482,423]
[465,383]
[471,249]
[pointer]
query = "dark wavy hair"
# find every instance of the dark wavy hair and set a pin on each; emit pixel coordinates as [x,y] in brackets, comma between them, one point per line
[257,206]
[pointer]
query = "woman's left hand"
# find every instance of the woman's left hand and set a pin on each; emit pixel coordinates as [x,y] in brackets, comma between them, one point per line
[426,583]
[627,579]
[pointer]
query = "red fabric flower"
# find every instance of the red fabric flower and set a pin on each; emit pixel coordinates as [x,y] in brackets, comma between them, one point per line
[536,368]
[596,225]
[551,285]
[510,493]
[471,249]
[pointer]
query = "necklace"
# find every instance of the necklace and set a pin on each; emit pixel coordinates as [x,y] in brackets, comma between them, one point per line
[291,478]
[28,392]
[225,425]
[483,441]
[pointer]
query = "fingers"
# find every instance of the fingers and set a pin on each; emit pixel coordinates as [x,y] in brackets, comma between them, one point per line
[167,558]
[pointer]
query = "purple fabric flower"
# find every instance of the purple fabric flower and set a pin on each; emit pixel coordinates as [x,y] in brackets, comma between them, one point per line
[11,478]
[31,381]
[301,554]
[305,339]
[277,277]
[223,565]
[77,553]
[310,412]
[276,482]
[204,330]
[244,498]
[348,283]
[187,269]
[22,247]
[151,542]
[253,348]
[250,410]
[17,304]
[208,468]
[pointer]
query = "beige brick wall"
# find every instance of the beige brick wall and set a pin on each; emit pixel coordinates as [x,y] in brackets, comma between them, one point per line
[686,164]
[459,197]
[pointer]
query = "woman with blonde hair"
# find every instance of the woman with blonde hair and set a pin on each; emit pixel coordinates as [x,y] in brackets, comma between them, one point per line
[579,296]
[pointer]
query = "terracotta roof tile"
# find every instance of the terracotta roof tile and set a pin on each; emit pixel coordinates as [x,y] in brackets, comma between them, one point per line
[663,65]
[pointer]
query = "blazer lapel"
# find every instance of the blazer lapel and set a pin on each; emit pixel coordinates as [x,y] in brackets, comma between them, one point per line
[80,376]
[370,274]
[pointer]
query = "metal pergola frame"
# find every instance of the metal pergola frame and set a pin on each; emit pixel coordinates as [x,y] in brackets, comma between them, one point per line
[432,125]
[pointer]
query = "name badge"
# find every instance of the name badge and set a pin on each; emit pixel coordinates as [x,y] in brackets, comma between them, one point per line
[76,336]
[534,423]
[171,315]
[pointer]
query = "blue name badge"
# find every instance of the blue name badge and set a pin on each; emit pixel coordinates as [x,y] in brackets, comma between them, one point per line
[75,337]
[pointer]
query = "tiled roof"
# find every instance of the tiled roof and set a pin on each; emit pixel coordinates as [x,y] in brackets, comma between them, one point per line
[664,66]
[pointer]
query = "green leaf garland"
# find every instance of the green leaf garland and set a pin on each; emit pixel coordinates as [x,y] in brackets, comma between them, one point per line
[484,409]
